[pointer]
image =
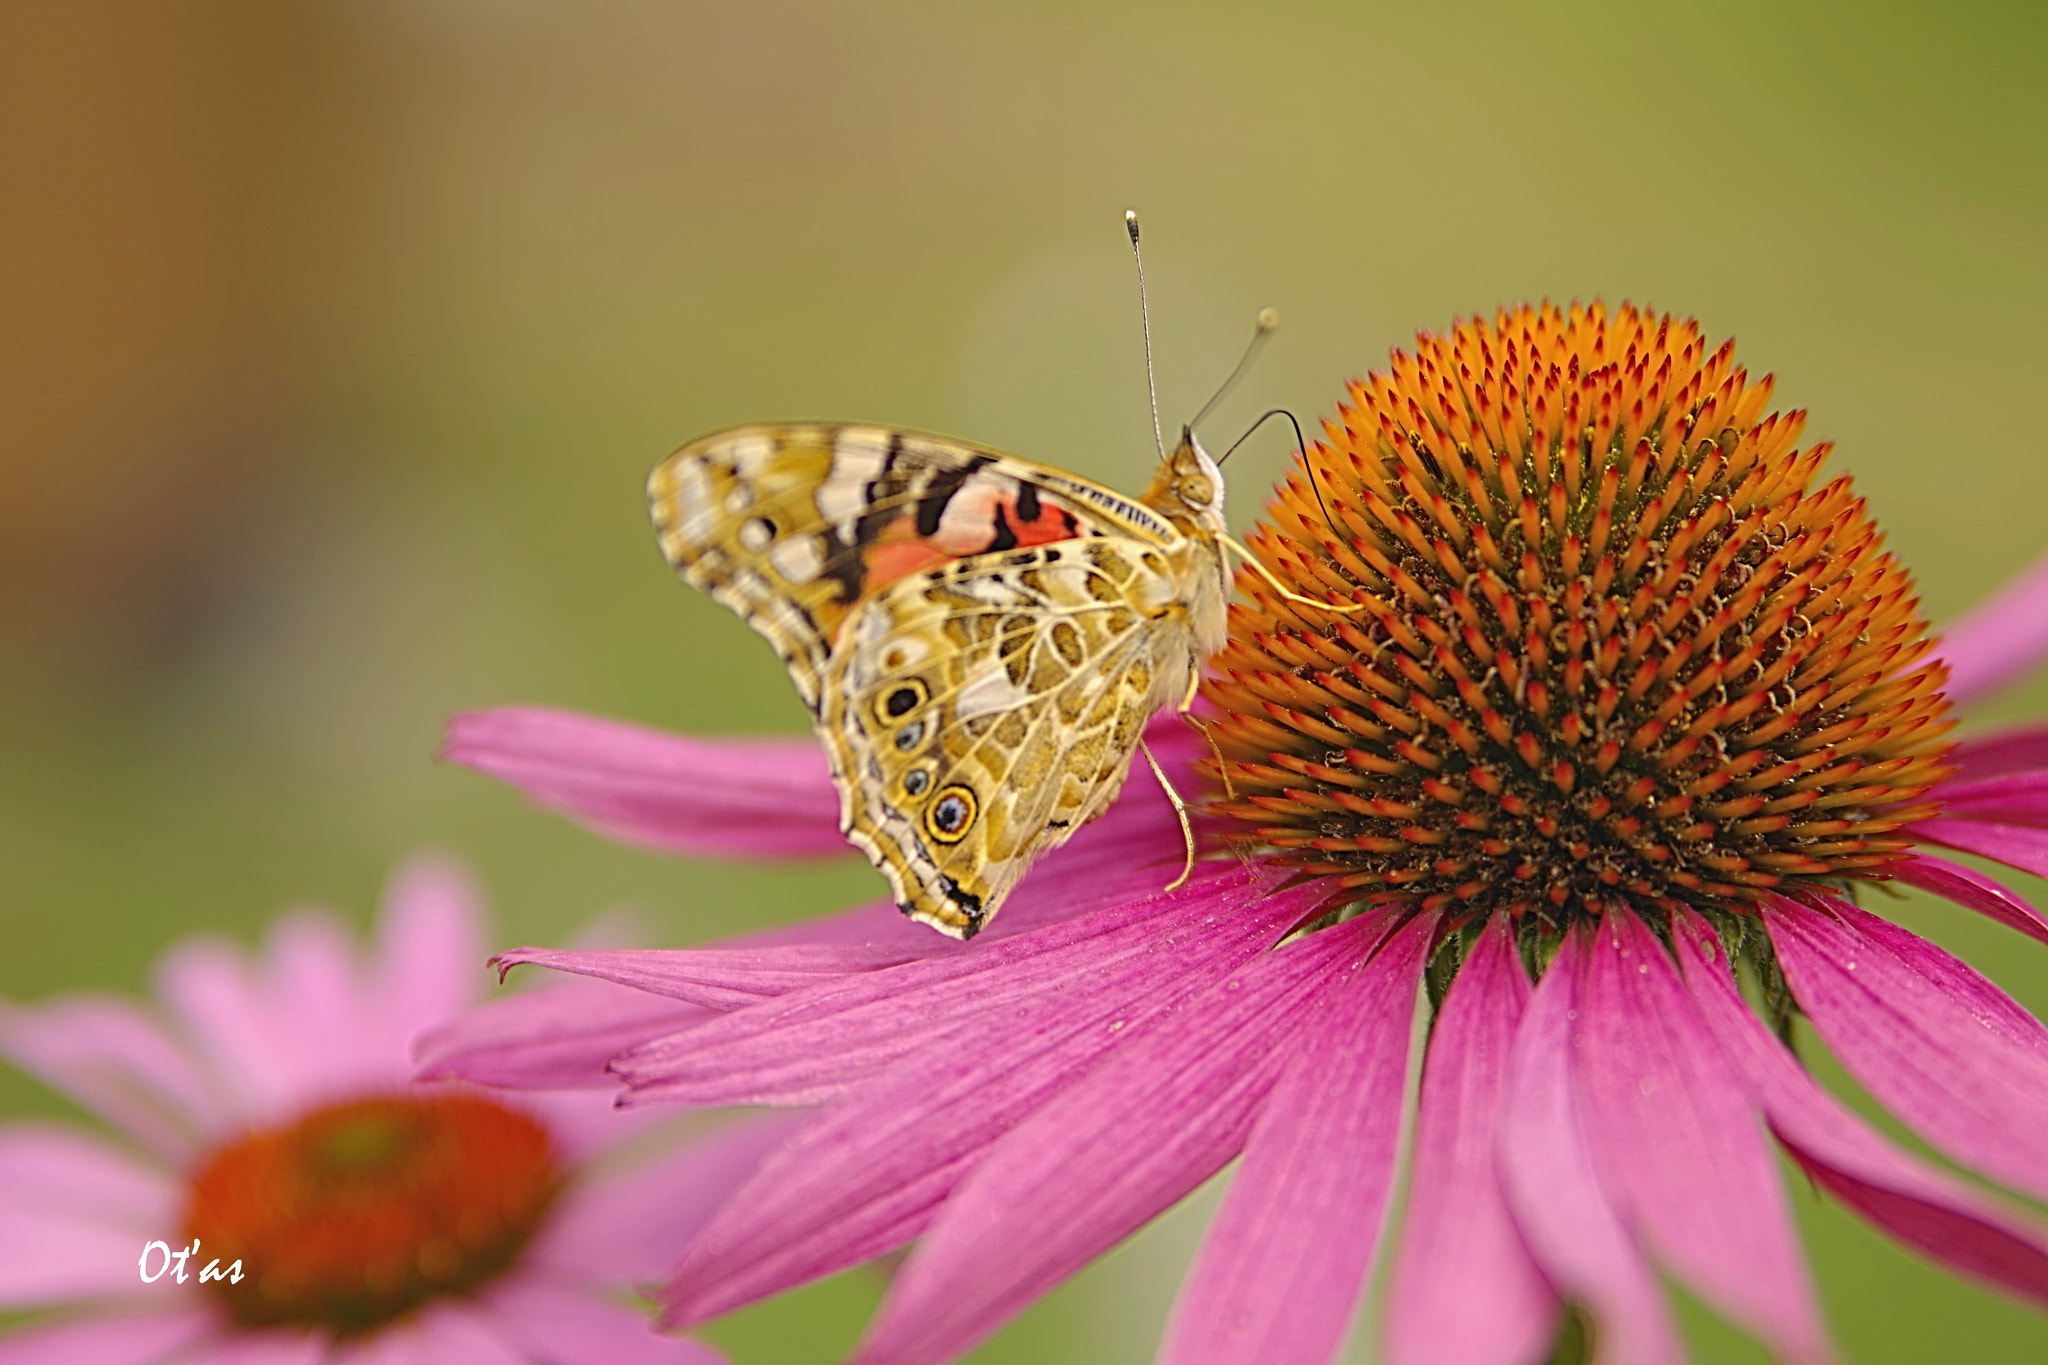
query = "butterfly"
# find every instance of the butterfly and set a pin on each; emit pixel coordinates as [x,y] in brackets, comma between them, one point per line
[980,639]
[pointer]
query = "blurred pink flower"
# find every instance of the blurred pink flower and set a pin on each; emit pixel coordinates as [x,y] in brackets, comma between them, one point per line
[299,1057]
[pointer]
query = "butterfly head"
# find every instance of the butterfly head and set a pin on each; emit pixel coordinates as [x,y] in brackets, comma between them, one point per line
[1188,485]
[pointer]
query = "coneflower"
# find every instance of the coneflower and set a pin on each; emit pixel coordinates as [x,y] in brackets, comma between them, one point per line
[1635,709]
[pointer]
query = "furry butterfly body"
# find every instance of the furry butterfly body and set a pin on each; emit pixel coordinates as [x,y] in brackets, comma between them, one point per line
[980,639]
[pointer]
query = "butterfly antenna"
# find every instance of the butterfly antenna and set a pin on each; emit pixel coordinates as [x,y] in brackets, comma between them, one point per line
[1267,321]
[1300,445]
[1145,317]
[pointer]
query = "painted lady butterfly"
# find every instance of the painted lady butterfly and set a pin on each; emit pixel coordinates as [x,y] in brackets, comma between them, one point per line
[980,639]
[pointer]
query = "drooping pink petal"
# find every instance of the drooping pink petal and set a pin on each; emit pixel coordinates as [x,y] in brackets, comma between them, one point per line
[751,798]
[715,978]
[629,1226]
[1285,1263]
[2011,799]
[2000,638]
[1678,1144]
[558,1327]
[108,1339]
[1904,1196]
[765,798]
[1948,1052]
[2014,845]
[557,1037]
[2000,752]
[807,1047]
[427,963]
[74,1214]
[1457,1232]
[1547,1168]
[865,1176]
[118,1061]
[1107,1155]
[1974,891]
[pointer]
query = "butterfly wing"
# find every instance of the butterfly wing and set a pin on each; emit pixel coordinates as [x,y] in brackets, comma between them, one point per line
[794,525]
[979,712]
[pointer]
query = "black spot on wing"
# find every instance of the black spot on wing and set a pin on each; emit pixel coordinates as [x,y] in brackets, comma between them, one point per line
[842,565]
[969,903]
[883,495]
[1006,535]
[1027,503]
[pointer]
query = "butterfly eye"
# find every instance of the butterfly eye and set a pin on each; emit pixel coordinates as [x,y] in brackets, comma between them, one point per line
[1196,490]
[950,815]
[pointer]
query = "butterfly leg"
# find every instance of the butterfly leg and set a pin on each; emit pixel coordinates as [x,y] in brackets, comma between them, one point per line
[1187,713]
[1180,810]
[1262,571]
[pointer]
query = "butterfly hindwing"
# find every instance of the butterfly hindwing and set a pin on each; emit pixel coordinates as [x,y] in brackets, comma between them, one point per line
[979,713]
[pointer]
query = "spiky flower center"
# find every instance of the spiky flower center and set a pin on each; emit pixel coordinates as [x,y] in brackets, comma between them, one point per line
[359,1212]
[1613,641]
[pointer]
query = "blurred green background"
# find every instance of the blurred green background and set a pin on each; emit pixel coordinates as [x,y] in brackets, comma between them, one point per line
[337,338]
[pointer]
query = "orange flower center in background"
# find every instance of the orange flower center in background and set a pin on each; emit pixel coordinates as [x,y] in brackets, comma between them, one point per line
[1614,641]
[361,1211]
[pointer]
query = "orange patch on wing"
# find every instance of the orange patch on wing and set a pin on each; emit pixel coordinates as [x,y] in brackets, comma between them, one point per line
[889,559]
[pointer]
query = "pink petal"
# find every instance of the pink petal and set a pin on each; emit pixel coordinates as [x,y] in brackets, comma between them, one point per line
[230,1012]
[2013,845]
[557,1037]
[768,798]
[1678,1144]
[561,1327]
[1465,1290]
[315,1004]
[1285,1262]
[2000,752]
[866,1175]
[1163,1114]
[2001,638]
[717,979]
[754,798]
[1973,891]
[1547,1169]
[808,1047]
[2010,799]
[107,1339]
[429,959]
[74,1215]
[118,1061]
[1932,1040]
[275,1346]
[445,1332]
[630,1225]
[1901,1195]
